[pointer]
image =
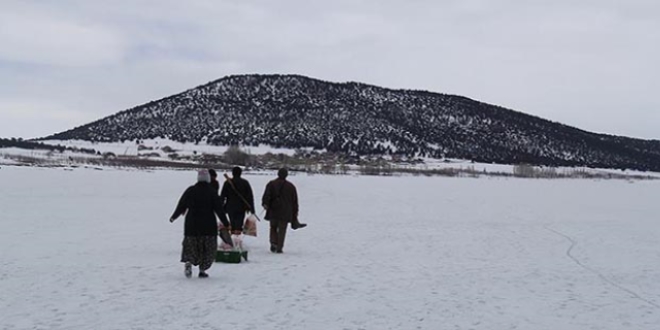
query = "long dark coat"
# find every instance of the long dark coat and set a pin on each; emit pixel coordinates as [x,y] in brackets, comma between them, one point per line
[203,204]
[280,201]
[232,202]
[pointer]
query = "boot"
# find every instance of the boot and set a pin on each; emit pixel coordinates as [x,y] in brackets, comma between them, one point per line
[295,224]
[188,270]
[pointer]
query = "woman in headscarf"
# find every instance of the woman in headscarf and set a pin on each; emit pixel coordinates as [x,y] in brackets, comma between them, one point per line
[201,204]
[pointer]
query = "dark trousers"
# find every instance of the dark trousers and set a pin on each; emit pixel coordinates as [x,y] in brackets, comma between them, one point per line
[236,220]
[277,233]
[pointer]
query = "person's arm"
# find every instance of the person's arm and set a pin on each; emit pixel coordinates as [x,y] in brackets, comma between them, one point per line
[265,200]
[181,206]
[250,198]
[224,193]
[219,210]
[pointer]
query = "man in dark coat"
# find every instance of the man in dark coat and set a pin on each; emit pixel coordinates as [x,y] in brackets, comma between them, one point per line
[281,203]
[214,180]
[237,199]
[201,204]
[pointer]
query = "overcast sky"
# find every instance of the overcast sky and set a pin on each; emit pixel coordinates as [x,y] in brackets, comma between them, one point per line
[587,63]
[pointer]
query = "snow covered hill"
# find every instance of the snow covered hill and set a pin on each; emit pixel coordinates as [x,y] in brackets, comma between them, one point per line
[291,111]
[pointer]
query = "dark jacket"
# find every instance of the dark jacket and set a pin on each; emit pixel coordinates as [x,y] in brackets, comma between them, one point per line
[216,185]
[202,203]
[231,201]
[280,200]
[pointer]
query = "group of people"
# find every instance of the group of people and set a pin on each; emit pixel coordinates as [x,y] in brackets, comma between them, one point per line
[204,201]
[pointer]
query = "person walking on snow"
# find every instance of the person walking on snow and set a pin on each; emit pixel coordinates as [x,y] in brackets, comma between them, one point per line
[214,180]
[237,198]
[280,200]
[200,203]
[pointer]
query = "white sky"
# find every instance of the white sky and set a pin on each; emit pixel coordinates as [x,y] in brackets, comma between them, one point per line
[589,63]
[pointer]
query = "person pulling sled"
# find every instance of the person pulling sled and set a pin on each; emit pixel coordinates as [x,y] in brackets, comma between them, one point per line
[237,199]
[201,204]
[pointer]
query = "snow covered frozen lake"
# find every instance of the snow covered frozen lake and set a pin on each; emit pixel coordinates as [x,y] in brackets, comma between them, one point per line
[93,249]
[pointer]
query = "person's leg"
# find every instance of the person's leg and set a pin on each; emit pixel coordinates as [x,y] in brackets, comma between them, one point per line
[189,250]
[273,235]
[281,235]
[188,255]
[209,246]
[236,220]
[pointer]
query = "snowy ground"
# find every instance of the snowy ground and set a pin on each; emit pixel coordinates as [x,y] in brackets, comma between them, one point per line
[90,249]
